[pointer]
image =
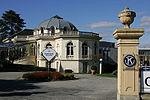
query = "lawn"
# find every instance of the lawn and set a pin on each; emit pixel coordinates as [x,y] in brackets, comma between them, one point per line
[106,75]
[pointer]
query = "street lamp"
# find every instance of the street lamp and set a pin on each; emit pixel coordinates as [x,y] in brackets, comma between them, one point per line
[100,66]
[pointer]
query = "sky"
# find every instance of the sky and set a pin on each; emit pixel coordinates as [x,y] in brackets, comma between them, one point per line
[100,16]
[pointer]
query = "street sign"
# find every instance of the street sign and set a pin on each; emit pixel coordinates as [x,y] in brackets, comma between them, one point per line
[48,54]
[129,60]
[145,81]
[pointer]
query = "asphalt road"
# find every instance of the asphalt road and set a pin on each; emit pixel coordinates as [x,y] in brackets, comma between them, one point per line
[87,87]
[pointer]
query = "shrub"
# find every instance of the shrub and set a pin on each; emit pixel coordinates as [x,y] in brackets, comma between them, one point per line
[56,75]
[93,67]
[42,76]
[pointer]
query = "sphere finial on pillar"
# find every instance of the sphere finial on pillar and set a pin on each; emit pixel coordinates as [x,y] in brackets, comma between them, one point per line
[127,17]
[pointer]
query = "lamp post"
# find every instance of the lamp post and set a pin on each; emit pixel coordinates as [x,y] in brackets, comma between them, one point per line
[100,66]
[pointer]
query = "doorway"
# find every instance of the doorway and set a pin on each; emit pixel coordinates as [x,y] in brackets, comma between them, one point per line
[85,67]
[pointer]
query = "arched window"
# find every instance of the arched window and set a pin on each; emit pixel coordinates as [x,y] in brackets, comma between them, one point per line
[95,47]
[52,30]
[38,49]
[84,49]
[32,50]
[69,49]
[65,29]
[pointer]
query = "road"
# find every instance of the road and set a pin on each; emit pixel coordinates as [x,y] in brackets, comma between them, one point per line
[87,87]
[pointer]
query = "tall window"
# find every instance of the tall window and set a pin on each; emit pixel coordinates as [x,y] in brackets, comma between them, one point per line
[69,49]
[52,30]
[84,49]
[32,50]
[42,30]
[95,46]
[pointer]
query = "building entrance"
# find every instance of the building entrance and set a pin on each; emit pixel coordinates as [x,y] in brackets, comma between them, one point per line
[84,67]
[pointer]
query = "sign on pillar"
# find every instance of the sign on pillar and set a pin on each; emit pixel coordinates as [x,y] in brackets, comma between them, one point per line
[128,42]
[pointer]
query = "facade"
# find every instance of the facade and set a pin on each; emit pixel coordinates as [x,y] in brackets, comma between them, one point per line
[4,48]
[75,49]
[108,52]
[144,54]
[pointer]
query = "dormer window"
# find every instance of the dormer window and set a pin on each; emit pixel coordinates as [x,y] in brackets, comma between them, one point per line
[42,30]
[65,29]
[52,30]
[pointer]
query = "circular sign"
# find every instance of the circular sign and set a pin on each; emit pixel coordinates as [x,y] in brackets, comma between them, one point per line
[129,60]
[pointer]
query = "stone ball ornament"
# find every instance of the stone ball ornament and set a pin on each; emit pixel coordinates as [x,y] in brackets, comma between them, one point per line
[127,17]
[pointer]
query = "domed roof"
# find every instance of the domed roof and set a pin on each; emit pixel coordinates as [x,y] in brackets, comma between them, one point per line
[57,22]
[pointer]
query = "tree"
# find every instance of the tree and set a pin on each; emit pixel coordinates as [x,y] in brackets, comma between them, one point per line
[10,24]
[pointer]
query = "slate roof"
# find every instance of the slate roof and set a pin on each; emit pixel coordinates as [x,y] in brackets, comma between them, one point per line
[58,22]
[23,32]
[9,44]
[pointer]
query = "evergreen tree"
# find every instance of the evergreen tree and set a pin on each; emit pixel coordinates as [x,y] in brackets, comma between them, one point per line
[10,24]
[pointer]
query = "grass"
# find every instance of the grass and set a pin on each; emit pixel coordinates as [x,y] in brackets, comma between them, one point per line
[106,75]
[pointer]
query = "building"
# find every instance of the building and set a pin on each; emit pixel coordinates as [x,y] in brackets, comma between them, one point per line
[108,52]
[144,55]
[75,49]
[4,49]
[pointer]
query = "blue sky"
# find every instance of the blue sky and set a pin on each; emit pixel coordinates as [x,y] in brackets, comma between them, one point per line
[99,16]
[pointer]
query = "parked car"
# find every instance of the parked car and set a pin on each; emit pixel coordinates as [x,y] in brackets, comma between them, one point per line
[68,71]
[144,68]
[69,74]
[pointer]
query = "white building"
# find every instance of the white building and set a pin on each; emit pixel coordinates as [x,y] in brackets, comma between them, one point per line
[75,49]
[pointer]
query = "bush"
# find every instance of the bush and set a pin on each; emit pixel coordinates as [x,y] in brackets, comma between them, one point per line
[107,75]
[43,76]
[93,67]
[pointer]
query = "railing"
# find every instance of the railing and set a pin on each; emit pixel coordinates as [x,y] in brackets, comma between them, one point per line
[62,33]
[89,33]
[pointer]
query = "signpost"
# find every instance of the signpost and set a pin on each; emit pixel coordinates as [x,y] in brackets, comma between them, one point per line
[48,54]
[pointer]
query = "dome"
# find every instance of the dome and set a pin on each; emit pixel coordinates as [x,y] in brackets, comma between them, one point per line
[57,22]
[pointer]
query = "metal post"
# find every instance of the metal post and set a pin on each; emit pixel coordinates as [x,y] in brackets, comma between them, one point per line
[100,66]
[48,72]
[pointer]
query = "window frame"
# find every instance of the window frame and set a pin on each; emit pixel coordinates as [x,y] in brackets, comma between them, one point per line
[84,50]
[70,51]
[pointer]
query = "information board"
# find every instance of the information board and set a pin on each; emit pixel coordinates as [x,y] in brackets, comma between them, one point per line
[145,82]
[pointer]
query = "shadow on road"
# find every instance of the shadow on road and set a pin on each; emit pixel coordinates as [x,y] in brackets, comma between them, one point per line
[19,94]
[12,85]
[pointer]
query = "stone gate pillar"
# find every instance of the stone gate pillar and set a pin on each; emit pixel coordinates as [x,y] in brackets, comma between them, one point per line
[128,60]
